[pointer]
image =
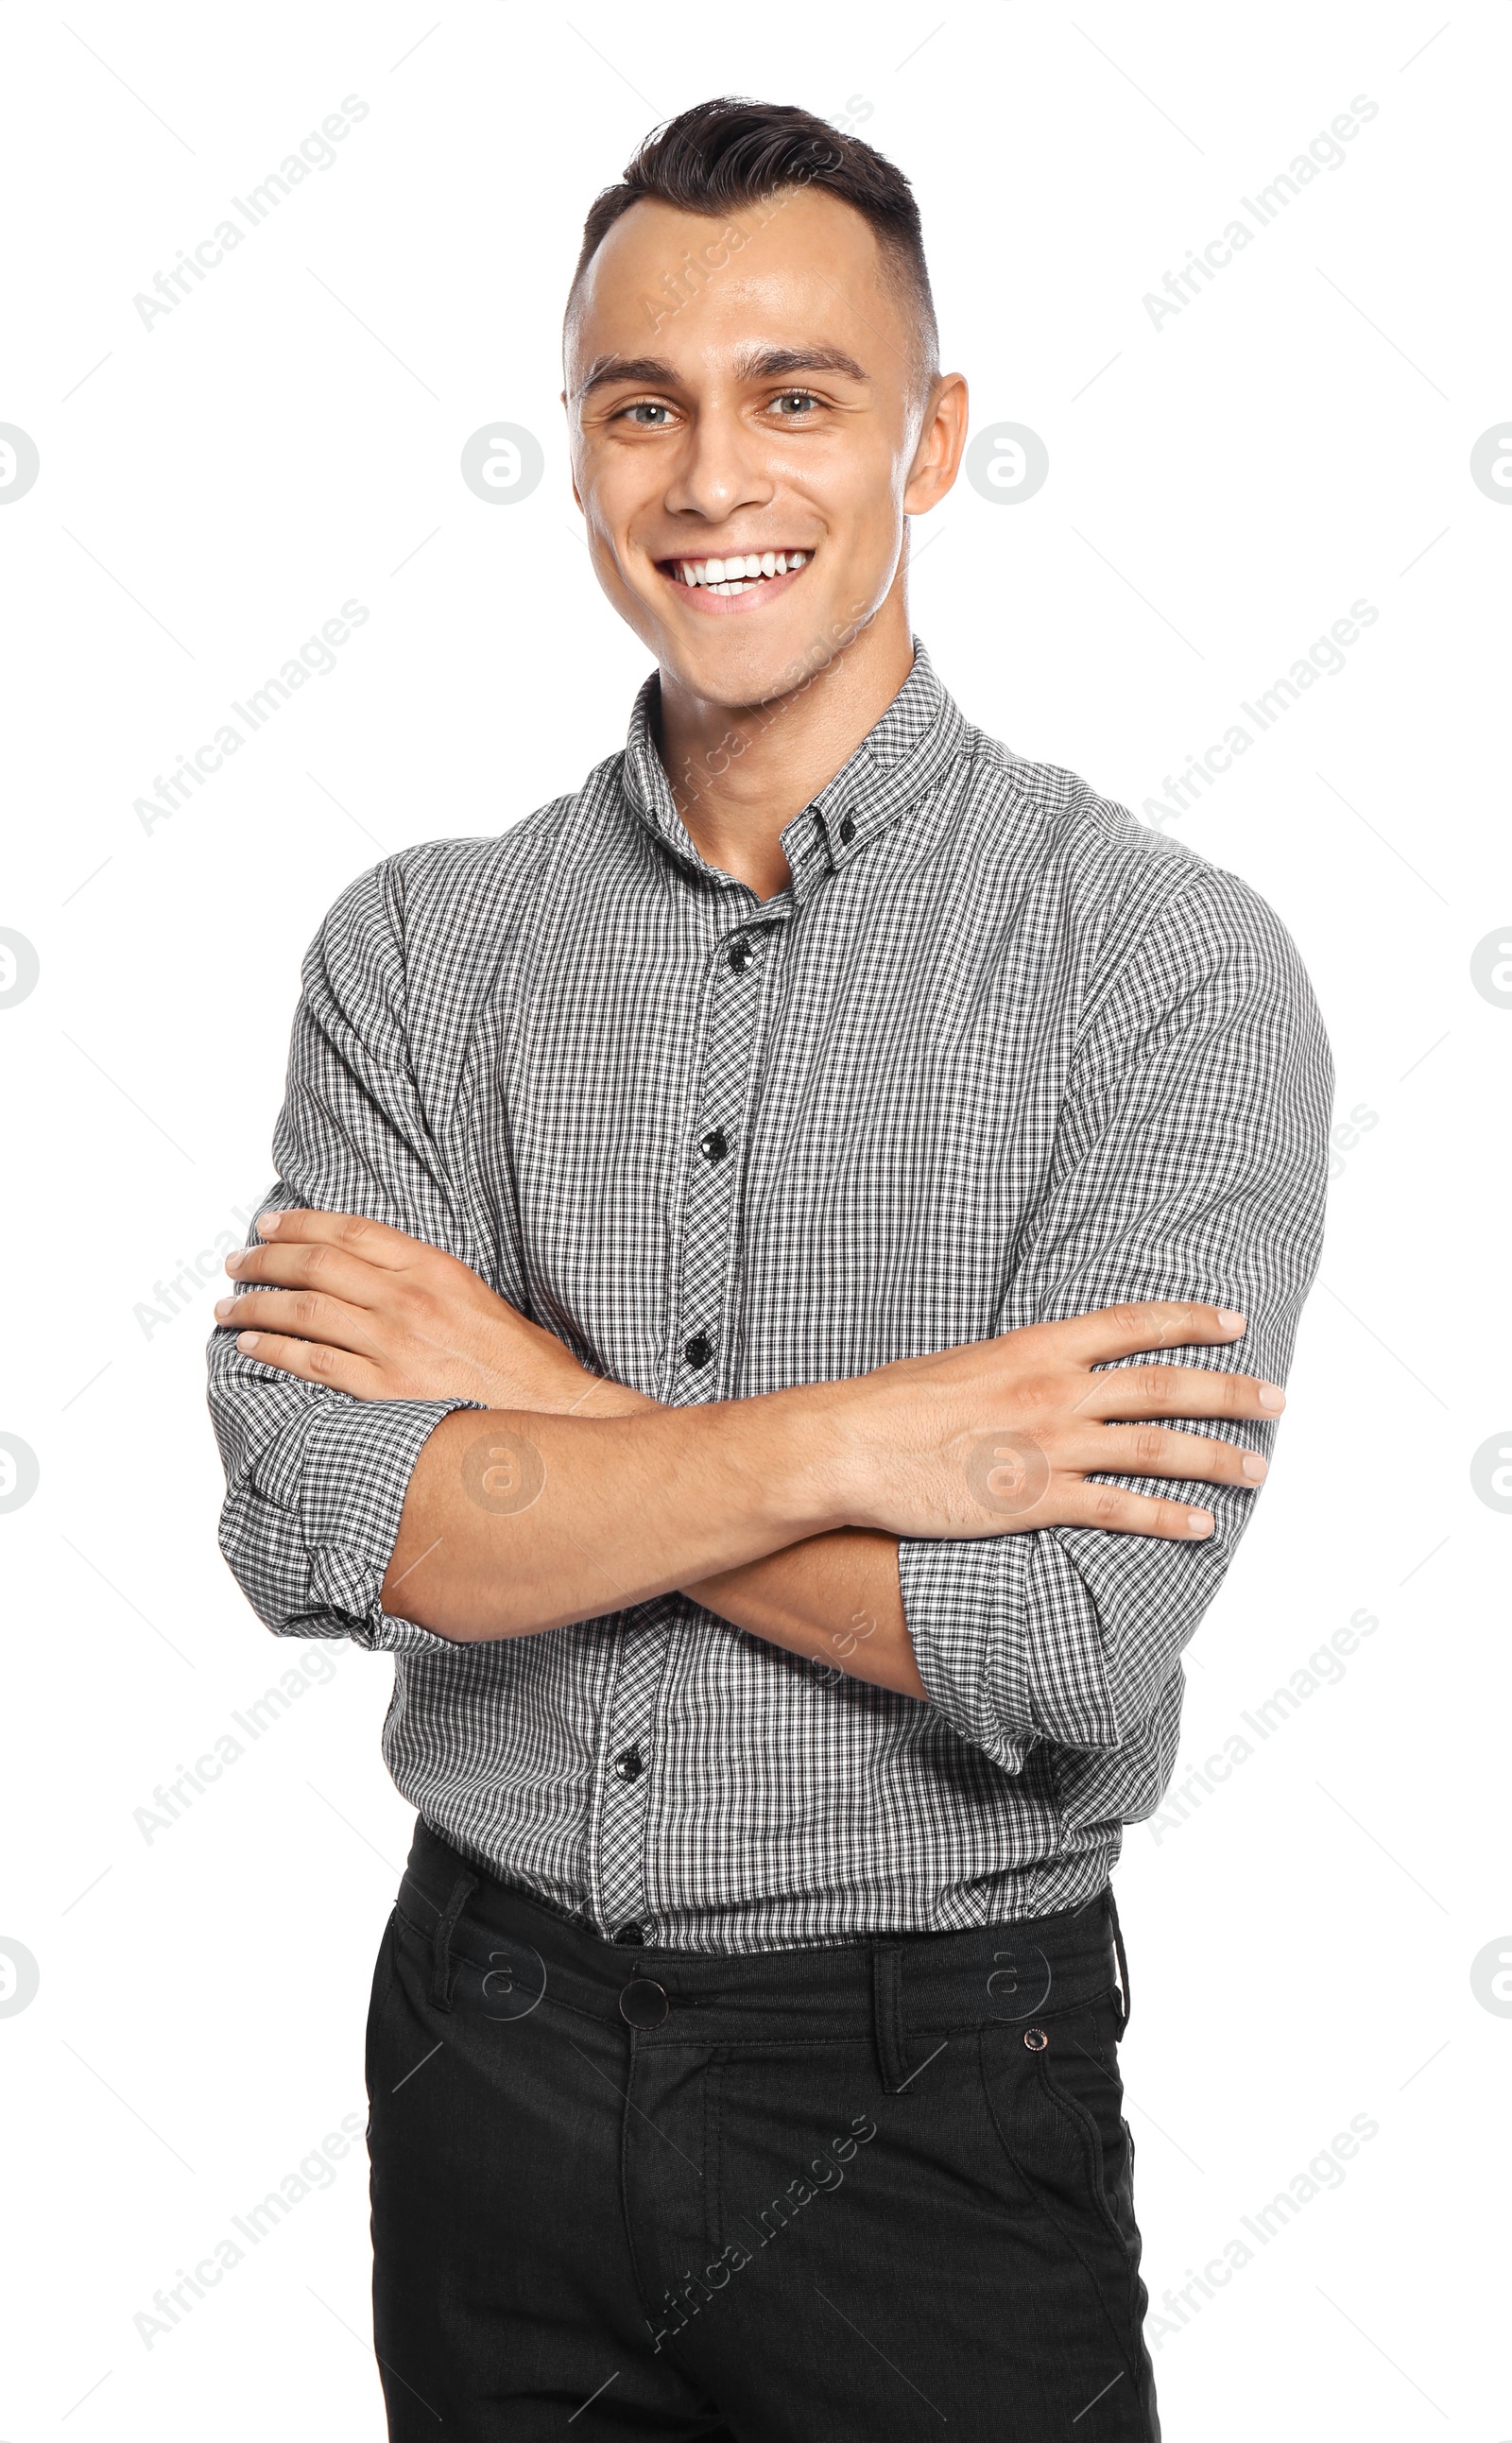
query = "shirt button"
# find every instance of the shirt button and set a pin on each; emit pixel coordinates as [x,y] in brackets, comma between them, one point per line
[716,1146]
[740,955]
[699,1350]
[631,1764]
[629,1937]
[847,831]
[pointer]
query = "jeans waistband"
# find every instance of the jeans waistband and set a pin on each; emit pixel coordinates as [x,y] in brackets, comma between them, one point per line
[512,1953]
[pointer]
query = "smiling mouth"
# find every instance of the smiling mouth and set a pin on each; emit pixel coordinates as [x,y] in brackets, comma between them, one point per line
[740,573]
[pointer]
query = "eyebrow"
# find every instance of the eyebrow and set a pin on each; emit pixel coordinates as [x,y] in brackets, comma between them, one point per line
[759,364]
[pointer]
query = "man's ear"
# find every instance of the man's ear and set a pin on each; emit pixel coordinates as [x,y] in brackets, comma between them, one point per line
[568,412]
[941,443]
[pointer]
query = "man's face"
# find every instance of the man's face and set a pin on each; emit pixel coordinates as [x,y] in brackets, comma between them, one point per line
[773,417]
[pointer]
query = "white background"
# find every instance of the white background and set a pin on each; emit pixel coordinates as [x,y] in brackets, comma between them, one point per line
[1222,488]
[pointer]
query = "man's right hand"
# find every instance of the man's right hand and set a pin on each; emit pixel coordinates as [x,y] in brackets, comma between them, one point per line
[1001,1435]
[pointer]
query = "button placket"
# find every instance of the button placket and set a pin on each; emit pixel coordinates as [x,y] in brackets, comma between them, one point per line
[711,1179]
[712,1175]
[625,1779]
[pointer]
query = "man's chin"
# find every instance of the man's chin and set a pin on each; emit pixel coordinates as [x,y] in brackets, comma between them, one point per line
[737,673]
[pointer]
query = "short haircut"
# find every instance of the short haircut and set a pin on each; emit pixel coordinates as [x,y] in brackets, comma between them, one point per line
[727,153]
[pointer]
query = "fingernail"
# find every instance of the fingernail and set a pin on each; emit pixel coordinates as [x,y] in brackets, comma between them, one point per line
[234,1263]
[267,1223]
[1199,1522]
[1230,1320]
[1272,1396]
[247,1340]
[224,1306]
[1255,1467]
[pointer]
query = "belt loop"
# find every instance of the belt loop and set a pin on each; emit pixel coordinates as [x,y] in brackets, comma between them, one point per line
[1123,1963]
[887,2014]
[441,1953]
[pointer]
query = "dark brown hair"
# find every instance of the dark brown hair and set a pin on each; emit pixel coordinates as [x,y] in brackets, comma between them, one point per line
[727,153]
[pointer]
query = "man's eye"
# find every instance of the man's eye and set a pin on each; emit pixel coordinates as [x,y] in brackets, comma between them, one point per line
[794,400]
[648,413]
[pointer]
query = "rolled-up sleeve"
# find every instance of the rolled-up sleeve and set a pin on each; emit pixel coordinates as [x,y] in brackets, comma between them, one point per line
[316,1479]
[1189,1162]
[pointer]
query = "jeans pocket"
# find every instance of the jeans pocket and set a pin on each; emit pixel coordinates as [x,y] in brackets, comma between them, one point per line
[1057,2102]
[1079,2069]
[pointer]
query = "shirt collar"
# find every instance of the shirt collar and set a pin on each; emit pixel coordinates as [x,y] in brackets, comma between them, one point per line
[895,764]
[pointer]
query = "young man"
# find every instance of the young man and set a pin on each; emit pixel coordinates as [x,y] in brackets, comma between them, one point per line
[837,1159]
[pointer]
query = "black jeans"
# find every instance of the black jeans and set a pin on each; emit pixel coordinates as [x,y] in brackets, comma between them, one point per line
[878,2189]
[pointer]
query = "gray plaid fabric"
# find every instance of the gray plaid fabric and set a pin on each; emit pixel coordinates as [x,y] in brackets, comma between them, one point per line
[998,1054]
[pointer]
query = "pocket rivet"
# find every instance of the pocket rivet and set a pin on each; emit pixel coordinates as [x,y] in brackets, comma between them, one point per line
[1036,2039]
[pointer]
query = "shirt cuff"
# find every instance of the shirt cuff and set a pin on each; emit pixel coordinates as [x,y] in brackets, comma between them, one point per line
[964,1608]
[345,1473]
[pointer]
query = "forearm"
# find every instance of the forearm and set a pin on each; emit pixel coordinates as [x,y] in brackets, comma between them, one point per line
[415,1521]
[516,1521]
[834,1598]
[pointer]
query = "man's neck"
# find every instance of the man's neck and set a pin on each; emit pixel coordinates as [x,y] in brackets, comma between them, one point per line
[739,776]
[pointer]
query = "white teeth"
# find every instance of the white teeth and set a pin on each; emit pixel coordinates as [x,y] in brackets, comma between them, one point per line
[734,573]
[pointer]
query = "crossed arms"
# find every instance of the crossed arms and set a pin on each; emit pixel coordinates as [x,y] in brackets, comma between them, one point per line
[781,1513]
[878,1524]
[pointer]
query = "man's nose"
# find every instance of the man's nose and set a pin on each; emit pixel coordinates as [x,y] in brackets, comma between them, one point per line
[721,470]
